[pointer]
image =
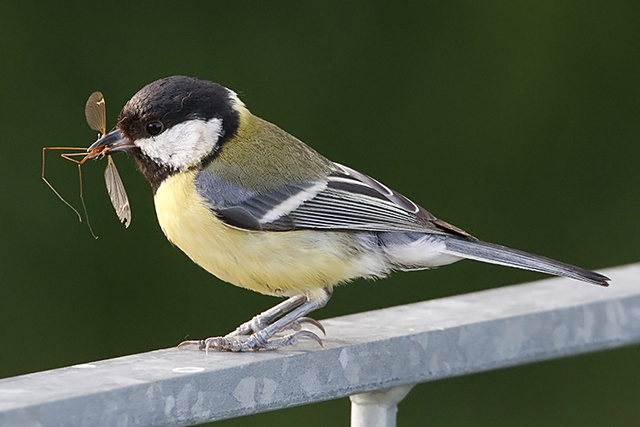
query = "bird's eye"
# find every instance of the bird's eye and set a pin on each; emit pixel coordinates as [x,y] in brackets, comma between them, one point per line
[154,128]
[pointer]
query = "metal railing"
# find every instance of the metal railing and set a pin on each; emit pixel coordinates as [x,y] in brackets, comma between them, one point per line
[374,357]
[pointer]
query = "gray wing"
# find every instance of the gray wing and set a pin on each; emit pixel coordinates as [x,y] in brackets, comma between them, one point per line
[344,200]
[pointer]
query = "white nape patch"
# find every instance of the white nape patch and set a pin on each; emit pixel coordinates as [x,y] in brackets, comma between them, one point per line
[184,144]
[235,101]
[292,202]
[425,252]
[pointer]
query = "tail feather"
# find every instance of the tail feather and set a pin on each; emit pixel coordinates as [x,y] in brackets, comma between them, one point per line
[502,255]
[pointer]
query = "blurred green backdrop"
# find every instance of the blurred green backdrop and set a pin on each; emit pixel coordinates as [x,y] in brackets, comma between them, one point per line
[517,121]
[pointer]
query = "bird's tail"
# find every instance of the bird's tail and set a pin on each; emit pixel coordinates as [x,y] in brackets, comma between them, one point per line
[497,254]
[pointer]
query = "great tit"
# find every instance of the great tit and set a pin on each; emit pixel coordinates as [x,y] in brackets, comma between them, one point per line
[260,209]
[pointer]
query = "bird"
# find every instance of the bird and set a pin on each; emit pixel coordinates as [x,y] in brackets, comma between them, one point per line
[260,209]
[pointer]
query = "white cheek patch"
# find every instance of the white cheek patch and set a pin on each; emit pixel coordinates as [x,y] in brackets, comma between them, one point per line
[183,145]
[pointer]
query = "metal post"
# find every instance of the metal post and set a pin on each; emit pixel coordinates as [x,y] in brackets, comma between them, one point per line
[377,408]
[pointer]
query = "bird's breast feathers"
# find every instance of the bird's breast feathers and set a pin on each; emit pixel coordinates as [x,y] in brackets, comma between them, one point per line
[275,263]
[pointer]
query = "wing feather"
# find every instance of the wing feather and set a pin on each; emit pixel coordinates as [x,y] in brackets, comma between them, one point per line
[344,200]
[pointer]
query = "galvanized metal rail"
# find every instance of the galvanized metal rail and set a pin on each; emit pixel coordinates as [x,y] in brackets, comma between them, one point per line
[373,357]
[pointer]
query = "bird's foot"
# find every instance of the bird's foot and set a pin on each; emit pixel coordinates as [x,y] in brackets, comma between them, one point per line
[260,332]
[257,341]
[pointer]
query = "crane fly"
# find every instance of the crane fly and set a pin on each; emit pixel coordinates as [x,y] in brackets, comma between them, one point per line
[95,113]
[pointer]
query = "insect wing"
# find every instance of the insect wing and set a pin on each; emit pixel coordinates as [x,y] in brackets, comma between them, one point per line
[117,193]
[96,113]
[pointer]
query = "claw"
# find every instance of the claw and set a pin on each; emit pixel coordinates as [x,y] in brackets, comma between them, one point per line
[311,335]
[297,324]
[313,322]
[291,339]
[198,343]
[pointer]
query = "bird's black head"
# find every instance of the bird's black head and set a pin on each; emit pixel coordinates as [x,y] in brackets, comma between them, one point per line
[176,123]
[167,102]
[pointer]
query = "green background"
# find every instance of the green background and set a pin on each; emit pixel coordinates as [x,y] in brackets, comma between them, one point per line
[517,121]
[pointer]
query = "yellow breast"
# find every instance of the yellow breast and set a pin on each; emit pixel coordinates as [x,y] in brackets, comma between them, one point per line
[274,263]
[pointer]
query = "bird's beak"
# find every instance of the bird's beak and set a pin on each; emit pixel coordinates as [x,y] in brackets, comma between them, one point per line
[113,142]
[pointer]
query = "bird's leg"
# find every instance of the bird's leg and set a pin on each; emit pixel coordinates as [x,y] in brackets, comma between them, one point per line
[265,318]
[292,311]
